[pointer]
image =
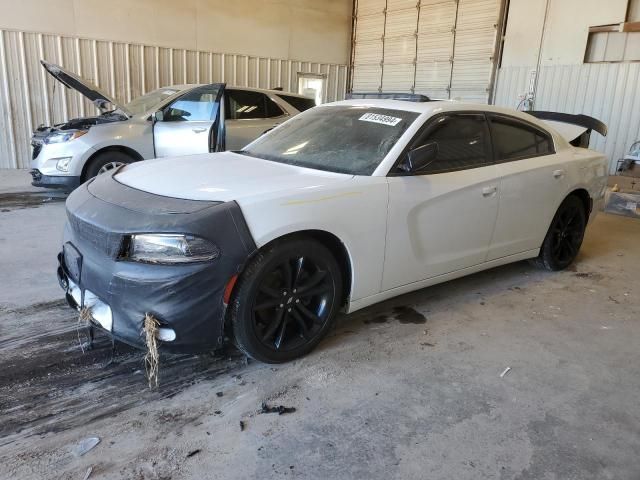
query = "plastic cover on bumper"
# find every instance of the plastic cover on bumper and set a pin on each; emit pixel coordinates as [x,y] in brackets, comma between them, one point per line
[186,298]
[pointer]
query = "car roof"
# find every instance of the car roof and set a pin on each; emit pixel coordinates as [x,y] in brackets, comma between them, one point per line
[186,86]
[437,106]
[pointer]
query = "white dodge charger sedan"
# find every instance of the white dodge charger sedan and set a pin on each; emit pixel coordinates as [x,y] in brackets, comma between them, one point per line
[343,206]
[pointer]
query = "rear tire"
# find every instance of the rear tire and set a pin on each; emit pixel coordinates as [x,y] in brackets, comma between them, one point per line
[105,161]
[286,300]
[564,237]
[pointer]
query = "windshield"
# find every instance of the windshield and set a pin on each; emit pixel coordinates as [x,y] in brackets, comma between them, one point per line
[343,139]
[147,102]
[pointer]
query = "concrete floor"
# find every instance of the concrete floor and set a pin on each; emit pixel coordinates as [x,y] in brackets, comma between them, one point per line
[379,400]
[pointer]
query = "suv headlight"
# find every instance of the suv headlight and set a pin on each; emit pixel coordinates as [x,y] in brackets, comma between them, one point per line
[64,136]
[170,248]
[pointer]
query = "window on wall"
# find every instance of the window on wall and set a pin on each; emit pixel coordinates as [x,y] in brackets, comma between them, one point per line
[312,86]
[613,47]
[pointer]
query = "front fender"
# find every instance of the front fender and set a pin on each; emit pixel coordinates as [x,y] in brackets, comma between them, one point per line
[355,213]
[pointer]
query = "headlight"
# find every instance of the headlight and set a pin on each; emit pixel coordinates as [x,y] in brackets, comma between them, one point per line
[170,248]
[64,136]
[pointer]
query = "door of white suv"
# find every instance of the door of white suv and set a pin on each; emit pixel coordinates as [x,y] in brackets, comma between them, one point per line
[187,123]
[248,115]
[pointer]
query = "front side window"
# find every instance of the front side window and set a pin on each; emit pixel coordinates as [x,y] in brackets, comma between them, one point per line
[462,142]
[248,105]
[513,140]
[195,106]
[344,139]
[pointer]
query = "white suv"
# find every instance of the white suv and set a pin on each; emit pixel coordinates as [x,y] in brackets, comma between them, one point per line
[170,121]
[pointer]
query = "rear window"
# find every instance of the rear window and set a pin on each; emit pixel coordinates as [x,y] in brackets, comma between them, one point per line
[513,140]
[299,103]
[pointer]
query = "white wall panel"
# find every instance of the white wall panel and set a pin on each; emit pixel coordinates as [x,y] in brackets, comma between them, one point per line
[608,92]
[30,97]
[307,29]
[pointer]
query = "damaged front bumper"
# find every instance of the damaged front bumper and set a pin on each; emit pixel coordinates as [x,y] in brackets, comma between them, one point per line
[65,182]
[187,299]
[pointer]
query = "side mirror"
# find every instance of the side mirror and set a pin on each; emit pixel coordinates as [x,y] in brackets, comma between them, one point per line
[158,116]
[420,157]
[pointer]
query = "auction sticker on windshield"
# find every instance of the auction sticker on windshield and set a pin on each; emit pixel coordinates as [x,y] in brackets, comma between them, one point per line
[382,119]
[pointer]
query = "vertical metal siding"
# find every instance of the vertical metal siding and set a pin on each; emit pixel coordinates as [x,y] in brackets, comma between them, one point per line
[607,92]
[30,97]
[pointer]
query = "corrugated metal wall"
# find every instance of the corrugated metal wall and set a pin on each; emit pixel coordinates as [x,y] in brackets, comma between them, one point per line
[442,48]
[608,92]
[29,96]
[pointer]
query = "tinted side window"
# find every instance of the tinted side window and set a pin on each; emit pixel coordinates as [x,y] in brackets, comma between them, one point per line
[463,142]
[244,104]
[198,105]
[513,140]
[272,108]
[300,104]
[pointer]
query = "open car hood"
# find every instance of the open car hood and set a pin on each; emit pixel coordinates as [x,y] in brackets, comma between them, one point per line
[85,87]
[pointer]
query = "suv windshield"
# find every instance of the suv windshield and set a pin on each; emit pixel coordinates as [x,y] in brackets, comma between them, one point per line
[147,102]
[344,139]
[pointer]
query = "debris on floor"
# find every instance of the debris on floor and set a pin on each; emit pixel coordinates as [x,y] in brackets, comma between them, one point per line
[88,473]
[242,425]
[219,394]
[506,370]
[84,321]
[280,409]
[86,445]
[193,452]
[152,358]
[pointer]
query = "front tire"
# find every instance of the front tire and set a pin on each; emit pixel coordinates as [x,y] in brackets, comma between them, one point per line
[565,235]
[286,300]
[105,161]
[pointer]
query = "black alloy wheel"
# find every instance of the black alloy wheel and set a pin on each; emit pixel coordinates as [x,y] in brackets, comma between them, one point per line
[565,235]
[286,300]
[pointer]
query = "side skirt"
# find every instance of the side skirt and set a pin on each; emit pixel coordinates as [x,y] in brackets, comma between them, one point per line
[394,292]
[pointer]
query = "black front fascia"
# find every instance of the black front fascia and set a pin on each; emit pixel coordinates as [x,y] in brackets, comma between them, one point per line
[188,297]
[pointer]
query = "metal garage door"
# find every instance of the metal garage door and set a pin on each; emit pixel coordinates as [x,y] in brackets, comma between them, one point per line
[441,48]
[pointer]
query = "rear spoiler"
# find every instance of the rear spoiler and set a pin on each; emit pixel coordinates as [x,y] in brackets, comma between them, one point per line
[576,129]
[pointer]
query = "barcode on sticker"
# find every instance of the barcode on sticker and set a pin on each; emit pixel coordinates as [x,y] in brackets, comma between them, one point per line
[632,206]
[382,119]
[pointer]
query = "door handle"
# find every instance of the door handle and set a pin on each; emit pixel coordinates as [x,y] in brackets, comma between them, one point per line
[558,173]
[489,191]
[198,130]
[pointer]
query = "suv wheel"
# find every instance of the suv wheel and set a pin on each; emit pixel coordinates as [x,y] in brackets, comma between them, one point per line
[106,161]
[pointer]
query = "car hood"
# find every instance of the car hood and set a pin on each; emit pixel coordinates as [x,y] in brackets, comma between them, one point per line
[223,176]
[85,87]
